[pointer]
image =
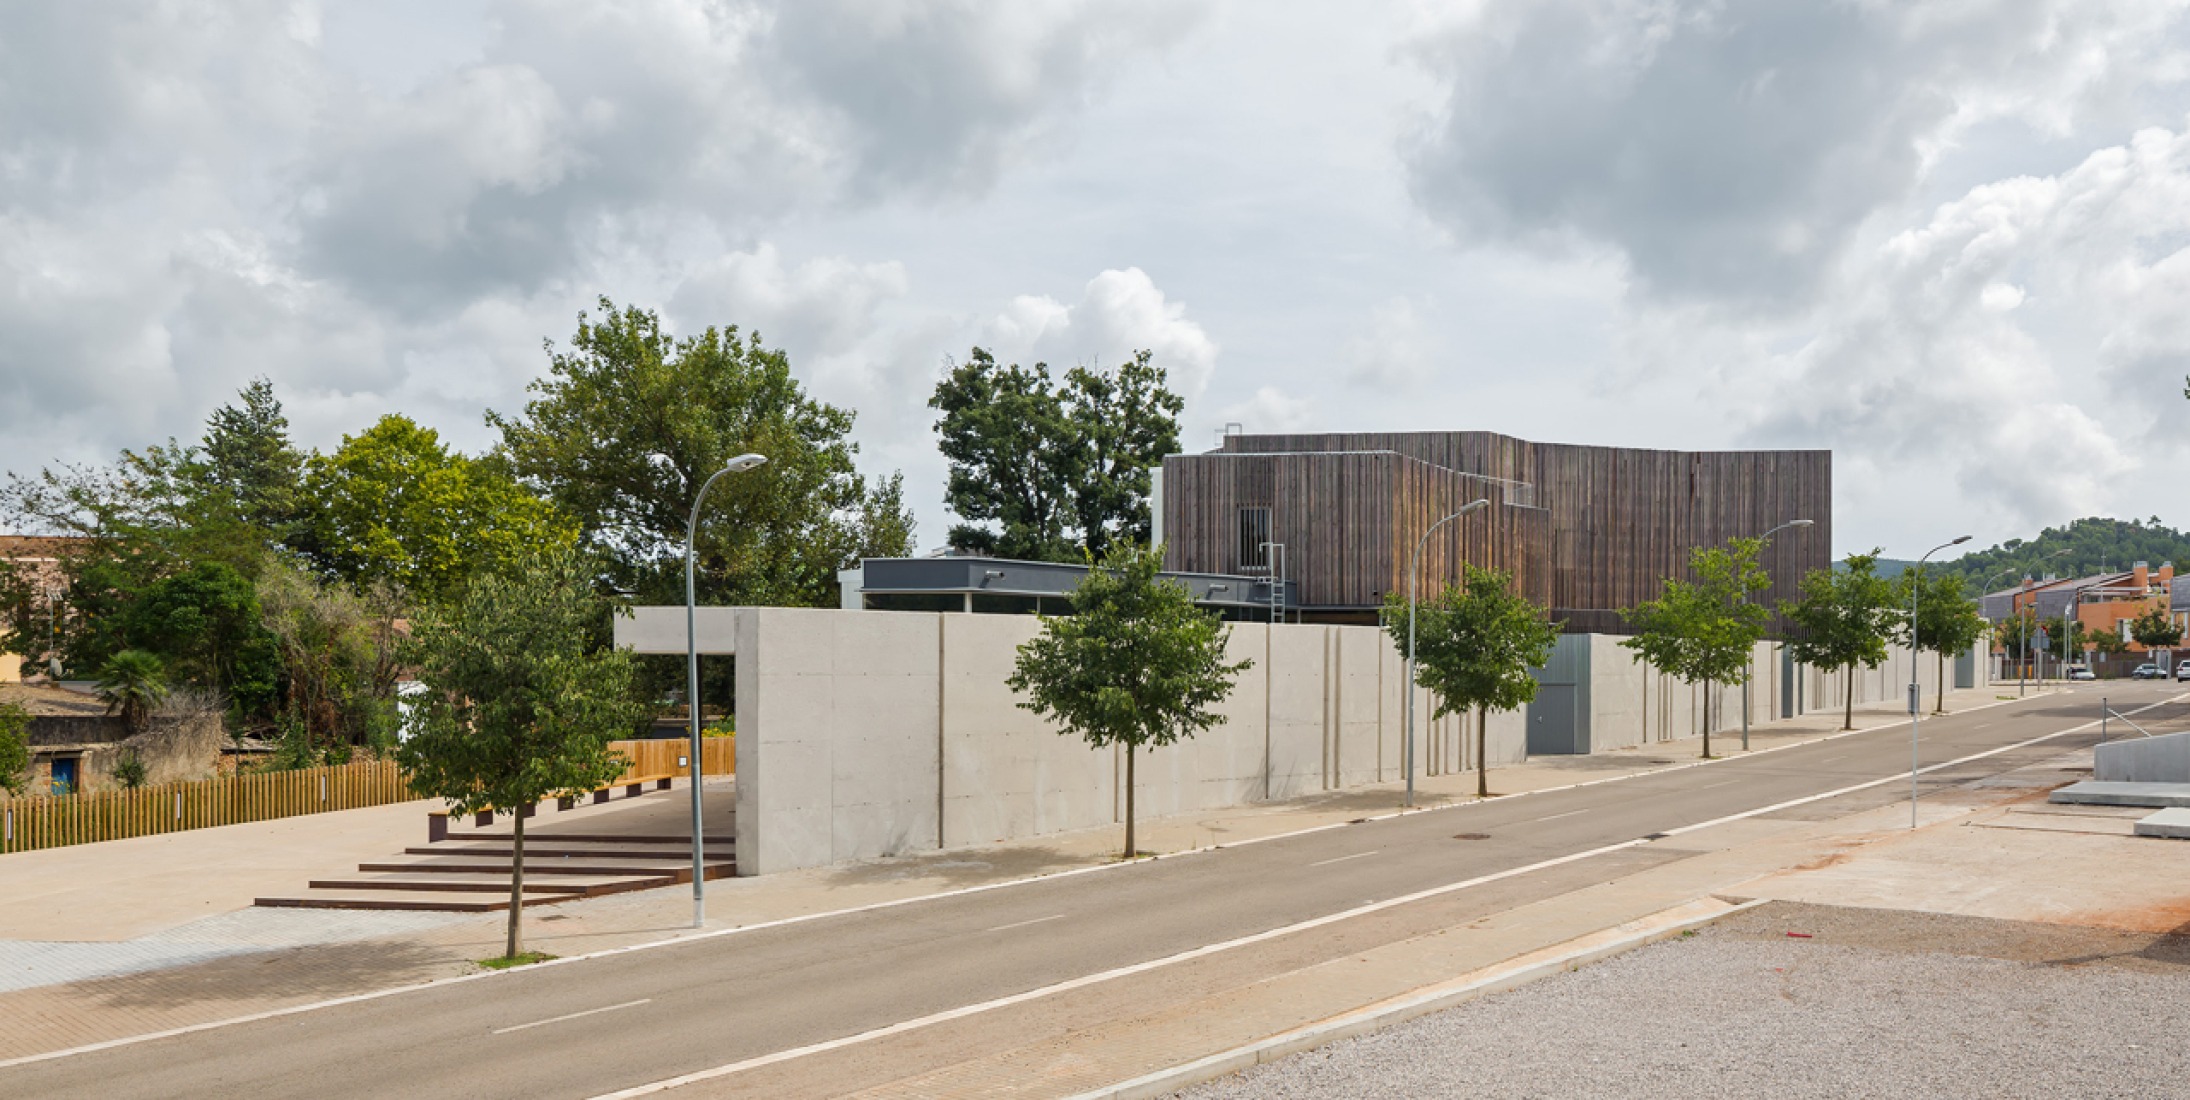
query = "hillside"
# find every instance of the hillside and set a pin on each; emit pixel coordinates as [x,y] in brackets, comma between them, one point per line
[2092,545]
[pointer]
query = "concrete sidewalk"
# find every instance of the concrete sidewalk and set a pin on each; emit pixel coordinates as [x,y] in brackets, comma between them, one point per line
[342,956]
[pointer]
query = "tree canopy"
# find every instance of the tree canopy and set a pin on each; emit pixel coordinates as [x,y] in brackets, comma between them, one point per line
[1705,631]
[1842,620]
[1136,663]
[394,505]
[1948,621]
[2153,628]
[1043,469]
[630,423]
[1475,643]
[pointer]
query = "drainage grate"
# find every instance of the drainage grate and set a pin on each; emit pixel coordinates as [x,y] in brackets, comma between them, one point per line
[1471,836]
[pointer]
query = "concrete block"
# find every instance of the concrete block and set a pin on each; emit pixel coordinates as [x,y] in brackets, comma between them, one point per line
[2172,824]
[2099,793]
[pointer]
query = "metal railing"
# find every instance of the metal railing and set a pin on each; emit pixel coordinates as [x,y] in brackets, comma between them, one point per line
[2107,712]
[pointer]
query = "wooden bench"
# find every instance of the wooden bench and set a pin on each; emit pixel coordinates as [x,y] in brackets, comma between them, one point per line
[437,821]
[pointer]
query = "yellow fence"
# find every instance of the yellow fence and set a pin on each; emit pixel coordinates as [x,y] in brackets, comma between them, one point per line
[718,755]
[56,820]
[51,821]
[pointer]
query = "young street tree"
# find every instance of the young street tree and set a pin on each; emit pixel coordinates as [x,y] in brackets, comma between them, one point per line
[1947,621]
[1842,620]
[1474,644]
[516,709]
[2154,630]
[1045,470]
[1135,664]
[1705,631]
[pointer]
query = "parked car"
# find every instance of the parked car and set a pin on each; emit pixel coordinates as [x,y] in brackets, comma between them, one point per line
[2148,671]
[2080,672]
[2182,671]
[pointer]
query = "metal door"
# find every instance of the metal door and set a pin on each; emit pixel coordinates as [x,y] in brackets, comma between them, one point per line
[1551,726]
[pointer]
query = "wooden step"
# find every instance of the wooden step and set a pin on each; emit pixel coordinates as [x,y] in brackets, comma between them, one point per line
[679,872]
[424,902]
[447,886]
[532,853]
[600,838]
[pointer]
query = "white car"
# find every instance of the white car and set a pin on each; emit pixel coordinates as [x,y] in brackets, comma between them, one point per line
[2079,672]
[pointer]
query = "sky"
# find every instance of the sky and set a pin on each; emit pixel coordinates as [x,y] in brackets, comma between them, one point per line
[1949,241]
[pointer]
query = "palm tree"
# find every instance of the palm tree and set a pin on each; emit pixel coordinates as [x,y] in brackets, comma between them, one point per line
[133,685]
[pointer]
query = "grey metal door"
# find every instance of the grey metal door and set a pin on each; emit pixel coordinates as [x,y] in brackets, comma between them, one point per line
[1551,725]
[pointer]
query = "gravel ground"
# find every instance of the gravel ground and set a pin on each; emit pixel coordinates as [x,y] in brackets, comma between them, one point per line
[1733,1012]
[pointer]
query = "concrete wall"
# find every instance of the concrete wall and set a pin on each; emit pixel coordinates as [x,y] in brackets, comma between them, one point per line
[1629,703]
[2162,759]
[870,733]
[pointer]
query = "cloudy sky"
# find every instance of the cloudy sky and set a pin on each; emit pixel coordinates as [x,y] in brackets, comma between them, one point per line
[1949,241]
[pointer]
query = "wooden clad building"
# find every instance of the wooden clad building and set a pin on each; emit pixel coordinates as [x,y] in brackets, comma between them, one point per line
[1585,530]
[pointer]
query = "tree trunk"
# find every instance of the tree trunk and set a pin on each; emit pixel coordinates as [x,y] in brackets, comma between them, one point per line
[1707,694]
[516,885]
[1848,721]
[1939,705]
[1129,800]
[1482,759]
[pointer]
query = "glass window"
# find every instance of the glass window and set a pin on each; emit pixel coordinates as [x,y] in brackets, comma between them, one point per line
[916,601]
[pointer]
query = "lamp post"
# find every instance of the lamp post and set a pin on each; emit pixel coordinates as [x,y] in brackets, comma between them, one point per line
[2009,572]
[736,465]
[1414,576]
[1916,707]
[1745,676]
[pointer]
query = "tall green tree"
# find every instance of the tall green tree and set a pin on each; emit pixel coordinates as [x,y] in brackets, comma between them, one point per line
[1475,643]
[1136,664]
[1947,621]
[202,621]
[517,708]
[1046,469]
[2153,628]
[393,505]
[249,462]
[632,421]
[1705,631]
[14,748]
[1843,620]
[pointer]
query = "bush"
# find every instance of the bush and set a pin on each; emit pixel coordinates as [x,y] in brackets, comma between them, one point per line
[14,748]
[129,771]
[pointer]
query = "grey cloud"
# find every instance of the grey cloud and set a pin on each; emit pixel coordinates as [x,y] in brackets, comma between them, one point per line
[934,96]
[1730,151]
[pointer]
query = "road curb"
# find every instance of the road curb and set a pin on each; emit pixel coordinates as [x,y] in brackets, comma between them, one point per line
[1498,978]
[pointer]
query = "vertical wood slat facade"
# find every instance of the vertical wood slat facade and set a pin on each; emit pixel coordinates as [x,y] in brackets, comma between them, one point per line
[1586,530]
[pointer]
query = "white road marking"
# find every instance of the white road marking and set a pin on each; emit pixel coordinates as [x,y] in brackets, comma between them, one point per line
[572,1016]
[1720,783]
[1571,813]
[1364,909]
[1024,923]
[1342,859]
[436,983]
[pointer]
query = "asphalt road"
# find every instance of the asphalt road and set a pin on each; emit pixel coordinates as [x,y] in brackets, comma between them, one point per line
[598,1025]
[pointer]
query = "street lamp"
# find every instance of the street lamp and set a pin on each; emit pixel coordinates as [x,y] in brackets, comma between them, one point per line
[736,465]
[2040,622]
[1916,708]
[2022,635]
[1414,576]
[1745,676]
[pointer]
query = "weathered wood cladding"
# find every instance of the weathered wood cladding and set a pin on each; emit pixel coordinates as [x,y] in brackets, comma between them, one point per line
[1349,521]
[1609,525]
